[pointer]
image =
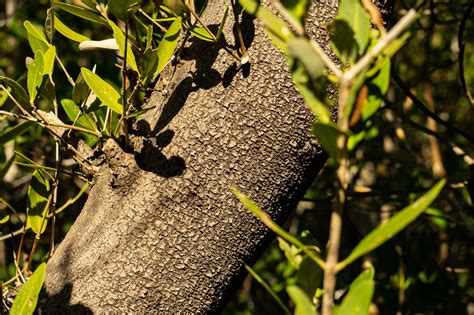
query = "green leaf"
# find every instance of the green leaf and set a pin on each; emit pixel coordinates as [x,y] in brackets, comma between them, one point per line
[4,217]
[124,9]
[36,38]
[222,24]
[80,12]
[73,112]
[272,22]
[27,298]
[35,75]
[37,203]
[342,38]
[15,131]
[297,9]
[17,91]
[120,39]
[302,50]
[359,297]
[202,33]
[398,222]
[312,95]
[167,45]
[48,60]
[303,305]
[327,135]
[378,87]
[81,90]
[291,253]
[67,32]
[104,91]
[354,13]
[310,276]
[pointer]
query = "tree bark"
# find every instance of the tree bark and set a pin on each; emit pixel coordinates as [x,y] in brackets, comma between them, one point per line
[161,231]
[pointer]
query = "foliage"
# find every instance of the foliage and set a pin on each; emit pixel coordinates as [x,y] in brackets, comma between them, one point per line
[377,168]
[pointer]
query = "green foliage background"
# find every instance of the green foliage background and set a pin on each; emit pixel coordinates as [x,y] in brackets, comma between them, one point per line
[424,269]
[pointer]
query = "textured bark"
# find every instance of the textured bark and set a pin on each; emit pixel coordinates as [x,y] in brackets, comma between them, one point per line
[161,231]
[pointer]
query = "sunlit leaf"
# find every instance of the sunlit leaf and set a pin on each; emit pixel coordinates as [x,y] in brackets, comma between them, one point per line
[303,305]
[36,38]
[399,221]
[104,91]
[167,45]
[67,32]
[302,50]
[359,297]
[354,13]
[202,33]
[222,24]
[27,298]
[272,22]
[297,9]
[48,60]
[37,203]
[35,75]
[120,39]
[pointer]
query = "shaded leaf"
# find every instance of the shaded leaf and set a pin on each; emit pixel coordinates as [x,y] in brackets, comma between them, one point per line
[342,38]
[104,91]
[222,24]
[302,50]
[15,131]
[49,24]
[81,90]
[378,87]
[297,9]
[399,221]
[17,91]
[80,12]
[327,135]
[124,9]
[27,298]
[37,203]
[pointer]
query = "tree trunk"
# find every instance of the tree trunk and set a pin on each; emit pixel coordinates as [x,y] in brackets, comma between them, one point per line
[161,231]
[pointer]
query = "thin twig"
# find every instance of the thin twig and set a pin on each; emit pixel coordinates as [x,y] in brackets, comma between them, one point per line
[152,20]
[69,78]
[462,46]
[421,106]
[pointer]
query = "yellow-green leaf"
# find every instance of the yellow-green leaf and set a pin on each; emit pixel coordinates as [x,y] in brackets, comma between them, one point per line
[303,305]
[120,39]
[167,45]
[67,32]
[104,91]
[80,12]
[35,75]
[37,203]
[27,298]
[36,38]
[359,297]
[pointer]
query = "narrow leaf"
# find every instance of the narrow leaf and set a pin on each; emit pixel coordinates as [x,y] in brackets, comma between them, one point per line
[37,203]
[104,91]
[15,131]
[167,45]
[80,12]
[302,50]
[27,298]
[123,9]
[48,60]
[386,231]
[67,32]
[355,15]
[297,9]
[120,39]
[221,26]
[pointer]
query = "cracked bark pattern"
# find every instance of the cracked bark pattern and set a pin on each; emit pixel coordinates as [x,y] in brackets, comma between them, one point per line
[161,231]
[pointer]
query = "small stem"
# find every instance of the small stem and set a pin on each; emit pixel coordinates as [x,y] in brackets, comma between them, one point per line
[335,229]
[69,78]
[124,92]
[152,20]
